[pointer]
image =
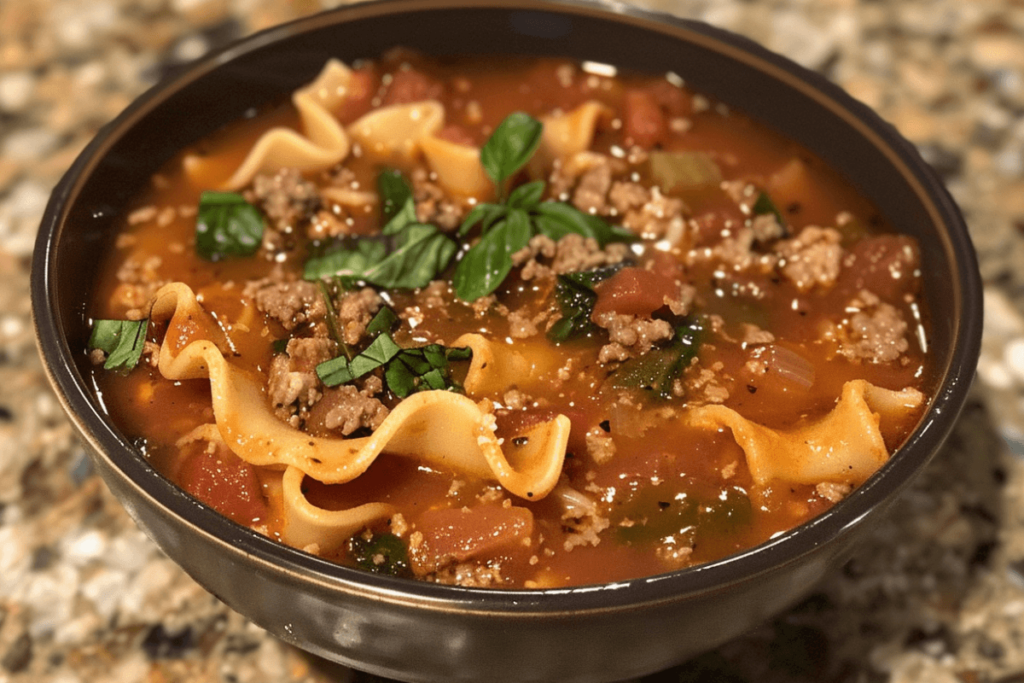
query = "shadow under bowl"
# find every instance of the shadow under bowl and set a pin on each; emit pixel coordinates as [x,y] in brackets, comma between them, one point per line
[425,632]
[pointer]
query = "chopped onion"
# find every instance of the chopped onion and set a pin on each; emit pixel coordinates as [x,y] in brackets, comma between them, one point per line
[675,171]
[791,367]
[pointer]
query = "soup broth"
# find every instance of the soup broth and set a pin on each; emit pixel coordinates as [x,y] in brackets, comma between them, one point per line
[509,323]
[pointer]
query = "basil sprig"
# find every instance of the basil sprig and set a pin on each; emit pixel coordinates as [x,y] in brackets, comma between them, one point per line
[227,225]
[509,148]
[410,255]
[406,371]
[507,227]
[576,297]
[121,340]
[657,370]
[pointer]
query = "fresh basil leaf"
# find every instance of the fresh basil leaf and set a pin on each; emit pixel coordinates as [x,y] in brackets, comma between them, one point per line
[510,146]
[485,214]
[349,258]
[558,219]
[227,225]
[424,253]
[400,378]
[394,192]
[279,345]
[486,265]
[122,341]
[405,217]
[526,196]
[332,319]
[382,323]
[764,205]
[340,370]
[381,554]
[576,297]
[335,372]
[458,353]
[657,370]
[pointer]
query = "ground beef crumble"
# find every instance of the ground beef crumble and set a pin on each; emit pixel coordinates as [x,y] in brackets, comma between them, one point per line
[632,334]
[355,310]
[289,302]
[433,205]
[812,258]
[543,257]
[875,331]
[286,198]
[292,384]
[355,409]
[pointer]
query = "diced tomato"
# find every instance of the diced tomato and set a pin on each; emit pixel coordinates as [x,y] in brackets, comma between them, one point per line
[635,291]
[461,534]
[361,89]
[226,483]
[674,101]
[511,423]
[643,120]
[409,85]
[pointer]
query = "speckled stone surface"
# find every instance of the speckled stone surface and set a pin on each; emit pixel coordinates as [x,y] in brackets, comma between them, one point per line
[935,596]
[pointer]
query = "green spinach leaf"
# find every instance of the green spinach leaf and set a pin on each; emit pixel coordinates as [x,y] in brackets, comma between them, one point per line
[227,225]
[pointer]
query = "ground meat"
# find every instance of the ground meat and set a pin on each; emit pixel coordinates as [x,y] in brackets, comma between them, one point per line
[703,385]
[522,325]
[753,335]
[574,253]
[355,311]
[354,409]
[833,492]
[592,189]
[600,446]
[290,303]
[138,281]
[292,385]
[735,253]
[286,198]
[433,205]
[469,575]
[875,332]
[590,170]
[650,213]
[812,258]
[542,256]
[766,228]
[636,335]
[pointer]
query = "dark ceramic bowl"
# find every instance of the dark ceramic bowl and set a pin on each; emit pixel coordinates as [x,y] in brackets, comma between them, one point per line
[424,632]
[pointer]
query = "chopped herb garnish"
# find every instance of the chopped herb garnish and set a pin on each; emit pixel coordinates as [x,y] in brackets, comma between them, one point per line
[381,554]
[406,371]
[121,340]
[227,225]
[576,297]
[394,192]
[657,370]
[413,256]
[382,323]
[509,148]
[332,319]
[507,227]
[765,206]
[279,345]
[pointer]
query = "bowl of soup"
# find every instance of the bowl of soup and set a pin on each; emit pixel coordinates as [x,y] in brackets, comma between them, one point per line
[454,340]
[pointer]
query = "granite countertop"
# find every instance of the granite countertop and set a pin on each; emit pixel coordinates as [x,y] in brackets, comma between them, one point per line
[935,596]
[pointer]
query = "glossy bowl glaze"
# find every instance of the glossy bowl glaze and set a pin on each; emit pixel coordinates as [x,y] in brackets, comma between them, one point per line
[425,632]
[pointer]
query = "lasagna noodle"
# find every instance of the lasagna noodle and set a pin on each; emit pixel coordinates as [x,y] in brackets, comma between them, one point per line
[392,135]
[440,428]
[324,144]
[845,446]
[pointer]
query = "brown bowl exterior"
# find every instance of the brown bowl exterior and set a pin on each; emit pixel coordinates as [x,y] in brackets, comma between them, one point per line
[423,632]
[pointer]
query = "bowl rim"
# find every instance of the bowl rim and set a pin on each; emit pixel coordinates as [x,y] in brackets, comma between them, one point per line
[250,548]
